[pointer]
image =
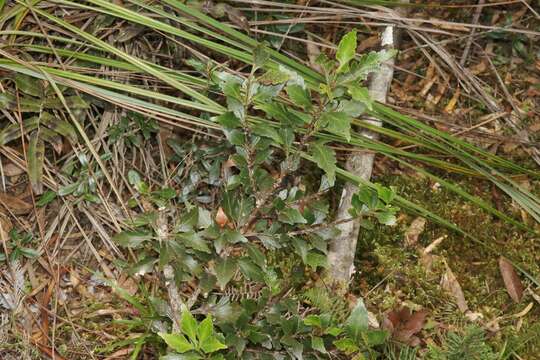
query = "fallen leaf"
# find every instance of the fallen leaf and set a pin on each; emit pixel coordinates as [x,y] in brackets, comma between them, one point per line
[449,283]
[11,169]
[413,232]
[403,324]
[15,205]
[513,284]
[221,218]
[5,227]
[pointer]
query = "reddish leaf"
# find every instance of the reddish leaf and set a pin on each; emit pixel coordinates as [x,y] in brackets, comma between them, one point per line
[404,324]
[221,218]
[511,279]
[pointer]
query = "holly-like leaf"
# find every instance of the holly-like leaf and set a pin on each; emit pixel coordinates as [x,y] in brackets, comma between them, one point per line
[131,239]
[346,50]
[299,96]
[177,342]
[228,120]
[315,260]
[337,122]
[346,345]
[386,218]
[361,94]
[317,343]
[189,324]
[225,269]
[264,130]
[256,255]
[325,159]
[250,270]
[212,344]
[301,248]
[260,56]
[291,216]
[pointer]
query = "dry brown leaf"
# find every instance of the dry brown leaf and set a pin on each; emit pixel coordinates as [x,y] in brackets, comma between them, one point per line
[11,169]
[449,283]
[368,43]
[5,227]
[14,204]
[413,232]
[403,324]
[221,218]
[513,284]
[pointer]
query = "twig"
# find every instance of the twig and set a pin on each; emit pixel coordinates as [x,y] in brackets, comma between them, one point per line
[470,40]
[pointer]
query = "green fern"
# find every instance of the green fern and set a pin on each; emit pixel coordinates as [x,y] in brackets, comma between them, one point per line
[320,298]
[470,345]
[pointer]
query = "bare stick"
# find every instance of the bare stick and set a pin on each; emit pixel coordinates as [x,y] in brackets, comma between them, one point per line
[343,247]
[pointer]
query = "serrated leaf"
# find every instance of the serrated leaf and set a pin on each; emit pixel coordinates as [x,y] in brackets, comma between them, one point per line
[386,194]
[317,343]
[256,255]
[325,159]
[188,324]
[177,342]
[313,320]
[291,216]
[346,345]
[233,236]
[211,345]
[205,329]
[228,120]
[194,241]
[131,239]
[225,269]
[346,50]
[386,218]
[315,260]
[301,248]
[352,108]
[250,270]
[299,96]
[260,56]
[337,122]
[267,131]
[361,94]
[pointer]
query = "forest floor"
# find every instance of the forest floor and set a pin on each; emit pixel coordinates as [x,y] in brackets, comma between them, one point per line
[68,290]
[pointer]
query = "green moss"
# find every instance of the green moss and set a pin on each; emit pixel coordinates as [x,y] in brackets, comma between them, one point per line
[392,274]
